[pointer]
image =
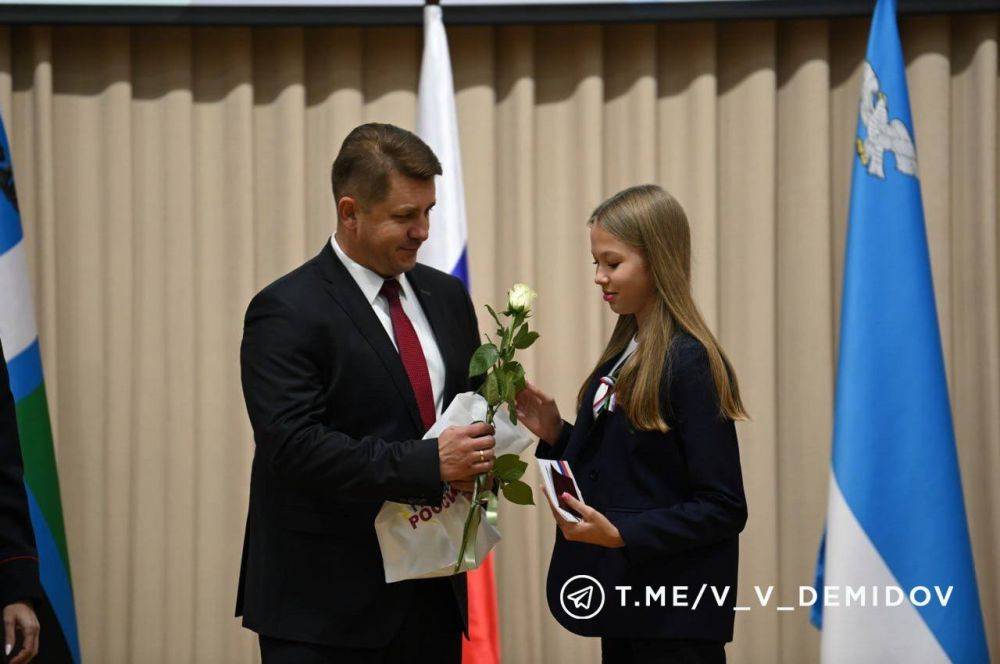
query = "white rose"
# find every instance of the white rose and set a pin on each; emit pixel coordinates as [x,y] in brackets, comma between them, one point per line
[520,297]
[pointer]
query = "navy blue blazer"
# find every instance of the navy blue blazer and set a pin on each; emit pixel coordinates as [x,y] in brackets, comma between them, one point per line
[676,498]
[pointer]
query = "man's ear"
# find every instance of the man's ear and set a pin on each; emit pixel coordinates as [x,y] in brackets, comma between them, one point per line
[347,209]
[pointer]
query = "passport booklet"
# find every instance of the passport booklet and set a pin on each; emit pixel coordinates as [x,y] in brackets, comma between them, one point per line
[558,480]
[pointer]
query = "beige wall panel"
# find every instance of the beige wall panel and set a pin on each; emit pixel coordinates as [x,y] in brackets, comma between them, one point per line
[334,106]
[746,329]
[975,292]
[391,72]
[92,138]
[226,258]
[568,180]
[848,40]
[166,174]
[804,342]
[688,148]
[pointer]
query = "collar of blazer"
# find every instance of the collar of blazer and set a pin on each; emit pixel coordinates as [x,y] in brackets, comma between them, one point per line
[585,419]
[345,291]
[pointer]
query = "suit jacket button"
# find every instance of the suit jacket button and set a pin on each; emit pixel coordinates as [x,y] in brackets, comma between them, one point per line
[594,475]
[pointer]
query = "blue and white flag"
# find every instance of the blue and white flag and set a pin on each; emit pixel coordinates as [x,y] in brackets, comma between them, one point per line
[437,125]
[21,350]
[895,561]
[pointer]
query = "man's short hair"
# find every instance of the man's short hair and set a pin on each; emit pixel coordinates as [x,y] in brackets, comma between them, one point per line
[370,153]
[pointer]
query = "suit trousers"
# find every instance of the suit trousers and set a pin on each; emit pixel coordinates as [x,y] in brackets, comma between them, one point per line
[661,651]
[431,633]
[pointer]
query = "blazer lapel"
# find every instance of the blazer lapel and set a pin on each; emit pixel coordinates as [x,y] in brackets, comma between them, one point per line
[437,314]
[585,419]
[345,291]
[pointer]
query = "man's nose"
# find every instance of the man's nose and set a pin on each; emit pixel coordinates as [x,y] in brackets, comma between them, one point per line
[420,231]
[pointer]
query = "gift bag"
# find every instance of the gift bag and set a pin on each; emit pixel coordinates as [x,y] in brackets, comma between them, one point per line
[420,542]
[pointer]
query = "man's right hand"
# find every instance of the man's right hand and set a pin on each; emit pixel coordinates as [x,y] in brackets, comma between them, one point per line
[465,452]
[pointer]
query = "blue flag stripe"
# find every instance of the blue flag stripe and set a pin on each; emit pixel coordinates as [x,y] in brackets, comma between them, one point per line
[53,576]
[25,371]
[461,269]
[10,225]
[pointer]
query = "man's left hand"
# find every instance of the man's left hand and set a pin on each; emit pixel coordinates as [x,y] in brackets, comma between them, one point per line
[20,617]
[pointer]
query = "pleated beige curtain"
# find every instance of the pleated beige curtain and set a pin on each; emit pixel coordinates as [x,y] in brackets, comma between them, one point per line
[166,174]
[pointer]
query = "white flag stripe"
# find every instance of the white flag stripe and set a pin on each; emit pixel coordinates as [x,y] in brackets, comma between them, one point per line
[17,311]
[866,634]
[437,125]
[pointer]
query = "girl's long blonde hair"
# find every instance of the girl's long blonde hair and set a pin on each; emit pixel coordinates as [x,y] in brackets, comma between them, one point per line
[649,219]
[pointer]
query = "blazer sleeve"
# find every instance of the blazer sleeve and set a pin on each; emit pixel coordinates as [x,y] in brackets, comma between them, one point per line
[18,557]
[716,509]
[472,384]
[555,449]
[284,387]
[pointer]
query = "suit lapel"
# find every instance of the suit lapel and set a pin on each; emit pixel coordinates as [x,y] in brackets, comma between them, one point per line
[441,324]
[585,419]
[345,291]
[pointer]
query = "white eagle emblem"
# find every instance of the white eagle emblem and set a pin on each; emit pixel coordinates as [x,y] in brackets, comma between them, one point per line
[883,135]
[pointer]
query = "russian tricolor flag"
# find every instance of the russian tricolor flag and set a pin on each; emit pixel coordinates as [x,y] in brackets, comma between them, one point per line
[437,125]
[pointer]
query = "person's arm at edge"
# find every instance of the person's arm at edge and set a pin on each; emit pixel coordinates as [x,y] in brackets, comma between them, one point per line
[18,555]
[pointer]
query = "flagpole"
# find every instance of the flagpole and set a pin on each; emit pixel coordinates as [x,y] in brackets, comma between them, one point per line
[437,124]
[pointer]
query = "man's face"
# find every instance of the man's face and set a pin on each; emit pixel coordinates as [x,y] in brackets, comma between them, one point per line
[385,236]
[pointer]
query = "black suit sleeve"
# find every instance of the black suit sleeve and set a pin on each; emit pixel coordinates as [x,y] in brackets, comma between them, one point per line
[284,388]
[473,384]
[716,509]
[18,557]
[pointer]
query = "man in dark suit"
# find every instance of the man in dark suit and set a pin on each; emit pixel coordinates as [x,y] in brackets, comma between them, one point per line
[19,585]
[346,362]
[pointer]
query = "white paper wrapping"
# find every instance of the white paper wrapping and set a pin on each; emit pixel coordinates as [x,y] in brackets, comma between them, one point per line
[420,542]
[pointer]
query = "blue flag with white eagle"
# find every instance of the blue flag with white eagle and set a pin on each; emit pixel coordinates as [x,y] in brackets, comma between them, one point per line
[896,515]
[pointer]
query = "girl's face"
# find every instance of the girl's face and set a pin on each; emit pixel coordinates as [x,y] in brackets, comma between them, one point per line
[622,274]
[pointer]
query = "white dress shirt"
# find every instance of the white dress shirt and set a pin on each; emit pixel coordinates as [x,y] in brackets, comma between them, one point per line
[370,283]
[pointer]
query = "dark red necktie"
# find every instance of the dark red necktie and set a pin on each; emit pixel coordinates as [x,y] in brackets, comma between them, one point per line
[411,352]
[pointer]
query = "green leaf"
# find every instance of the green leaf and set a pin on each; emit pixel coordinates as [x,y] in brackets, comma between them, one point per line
[512,412]
[508,467]
[518,493]
[491,389]
[483,359]
[505,380]
[525,338]
[494,314]
[517,371]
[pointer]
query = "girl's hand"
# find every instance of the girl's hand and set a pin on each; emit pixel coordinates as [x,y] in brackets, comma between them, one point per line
[539,413]
[593,529]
